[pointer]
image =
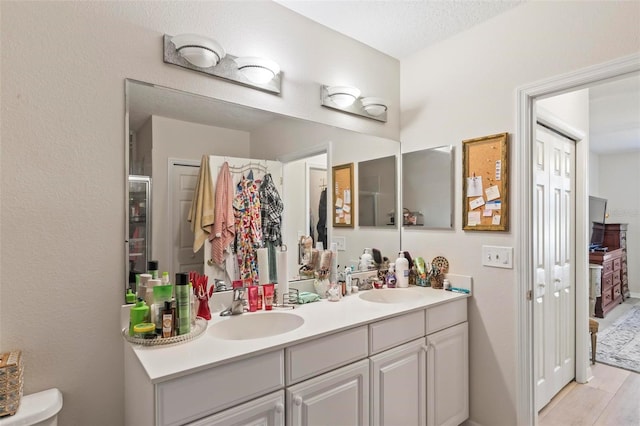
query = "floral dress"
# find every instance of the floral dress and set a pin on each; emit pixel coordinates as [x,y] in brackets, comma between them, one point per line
[246,207]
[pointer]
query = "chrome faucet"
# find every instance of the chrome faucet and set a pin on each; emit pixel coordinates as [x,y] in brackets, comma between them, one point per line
[237,304]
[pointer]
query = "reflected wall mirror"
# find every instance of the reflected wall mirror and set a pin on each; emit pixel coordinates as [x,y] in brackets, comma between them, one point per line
[427,188]
[170,130]
[377,192]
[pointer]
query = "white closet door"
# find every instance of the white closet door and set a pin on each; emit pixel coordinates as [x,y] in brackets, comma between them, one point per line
[554,260]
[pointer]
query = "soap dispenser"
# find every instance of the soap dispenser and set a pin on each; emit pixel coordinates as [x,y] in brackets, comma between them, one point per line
[402,271]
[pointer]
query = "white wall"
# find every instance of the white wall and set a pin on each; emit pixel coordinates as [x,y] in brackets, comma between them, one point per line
[62,165]
[594,174]
[465,87]
[619,177]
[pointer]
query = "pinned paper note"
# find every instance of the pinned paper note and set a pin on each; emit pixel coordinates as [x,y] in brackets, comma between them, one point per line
[347,219]
[492,192]
[495,220]
[498,169]
[494,205]
[473,218]
[347,196]
[474,186]
[476,202]
[487,213]
[346,208]
[339,202]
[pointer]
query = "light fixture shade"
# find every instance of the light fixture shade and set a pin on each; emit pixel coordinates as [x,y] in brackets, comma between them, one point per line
[343,96]
[374,106]
[258,70]
[200,51]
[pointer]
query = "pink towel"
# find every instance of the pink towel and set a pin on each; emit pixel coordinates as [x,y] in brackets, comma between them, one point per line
[224,223]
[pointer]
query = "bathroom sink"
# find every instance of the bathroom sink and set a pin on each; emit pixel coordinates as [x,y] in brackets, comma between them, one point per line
[255,325]
[391,295]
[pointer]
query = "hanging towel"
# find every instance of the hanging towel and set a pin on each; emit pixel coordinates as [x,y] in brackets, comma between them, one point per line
[201,213]
[224,228]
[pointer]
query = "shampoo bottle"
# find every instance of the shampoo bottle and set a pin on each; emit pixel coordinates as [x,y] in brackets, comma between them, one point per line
[168,320]
[402,271]
[138,315]
[183,303]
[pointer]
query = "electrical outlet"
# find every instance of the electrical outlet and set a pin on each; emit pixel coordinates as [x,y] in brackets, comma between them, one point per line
[497,257]
[341,242]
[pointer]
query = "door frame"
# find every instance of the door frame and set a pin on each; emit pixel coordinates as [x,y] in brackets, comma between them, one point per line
[526,96]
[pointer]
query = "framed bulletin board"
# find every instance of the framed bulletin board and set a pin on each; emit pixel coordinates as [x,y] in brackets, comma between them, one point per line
[343,197]
[485,195]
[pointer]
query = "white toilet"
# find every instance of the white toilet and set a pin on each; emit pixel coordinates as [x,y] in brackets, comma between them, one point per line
[37,409]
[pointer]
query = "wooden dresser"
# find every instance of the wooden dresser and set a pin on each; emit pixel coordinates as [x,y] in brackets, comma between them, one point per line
[611,282]
[615,237]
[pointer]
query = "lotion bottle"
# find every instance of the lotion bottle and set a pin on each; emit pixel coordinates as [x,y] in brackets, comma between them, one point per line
[402,271]
[183,302]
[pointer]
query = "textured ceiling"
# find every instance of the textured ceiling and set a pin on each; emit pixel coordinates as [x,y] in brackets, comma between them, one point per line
[398,27]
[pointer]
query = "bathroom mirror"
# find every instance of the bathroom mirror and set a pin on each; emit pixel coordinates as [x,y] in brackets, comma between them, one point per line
[377,192]
[427,188]
[170,130]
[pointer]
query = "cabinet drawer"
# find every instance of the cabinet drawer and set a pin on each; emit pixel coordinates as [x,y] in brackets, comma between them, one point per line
[395,331]
[326,353]
[617,291]
[607,266]
[445,315]
[203,393]
[615,277]
[607,281]
[267,411]
[606,297]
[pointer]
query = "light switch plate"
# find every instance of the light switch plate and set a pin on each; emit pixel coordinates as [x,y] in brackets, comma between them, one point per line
[341,243]
[497,257]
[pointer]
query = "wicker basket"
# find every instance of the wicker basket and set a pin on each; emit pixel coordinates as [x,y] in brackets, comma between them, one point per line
[10,382]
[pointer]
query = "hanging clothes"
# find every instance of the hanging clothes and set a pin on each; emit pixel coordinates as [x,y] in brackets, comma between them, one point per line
[224,227]
[271,208]
[201,213]
[322,219]
[246,206]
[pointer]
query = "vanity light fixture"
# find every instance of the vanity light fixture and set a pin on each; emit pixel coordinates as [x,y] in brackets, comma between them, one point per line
[207,56]
[347,99]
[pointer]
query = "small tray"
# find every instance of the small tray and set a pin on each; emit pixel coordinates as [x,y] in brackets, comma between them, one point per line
[201,326]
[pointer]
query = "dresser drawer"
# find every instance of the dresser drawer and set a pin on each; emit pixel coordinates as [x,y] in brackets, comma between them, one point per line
[395,331]
[606,297]
[191,397]
[616,264]
[326,353]
[446,315]
[615,277]
[617,291]
[607,281]
[607,267]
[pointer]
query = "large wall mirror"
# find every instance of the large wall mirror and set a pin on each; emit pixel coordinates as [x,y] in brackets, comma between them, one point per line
[377,192]
[427,188]
[169,132]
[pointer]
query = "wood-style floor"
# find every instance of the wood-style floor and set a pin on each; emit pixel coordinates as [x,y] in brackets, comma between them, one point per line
[611,398]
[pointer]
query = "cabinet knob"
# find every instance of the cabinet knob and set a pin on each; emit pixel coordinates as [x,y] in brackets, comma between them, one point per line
[297,400]
[280,408]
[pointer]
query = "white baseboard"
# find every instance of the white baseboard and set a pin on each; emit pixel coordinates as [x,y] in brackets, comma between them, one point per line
[634,295]
[469,422]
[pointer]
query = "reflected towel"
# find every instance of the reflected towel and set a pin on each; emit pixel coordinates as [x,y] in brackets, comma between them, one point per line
[224,227]
[201,213]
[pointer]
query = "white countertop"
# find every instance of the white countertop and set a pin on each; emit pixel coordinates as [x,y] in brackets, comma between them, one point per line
[320,318]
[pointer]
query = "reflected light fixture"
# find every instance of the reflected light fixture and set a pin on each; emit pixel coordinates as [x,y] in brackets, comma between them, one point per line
[258,70]
[347,99]
[202,54]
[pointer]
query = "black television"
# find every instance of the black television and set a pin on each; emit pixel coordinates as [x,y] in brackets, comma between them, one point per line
[597,215]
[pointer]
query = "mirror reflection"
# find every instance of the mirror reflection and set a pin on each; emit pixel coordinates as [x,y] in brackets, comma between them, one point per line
[427,188]
[169,133]
[377,192]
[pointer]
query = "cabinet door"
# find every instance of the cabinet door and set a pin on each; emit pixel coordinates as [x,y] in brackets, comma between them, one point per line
[398,383]
[448,376]
[265,411]
[340,397]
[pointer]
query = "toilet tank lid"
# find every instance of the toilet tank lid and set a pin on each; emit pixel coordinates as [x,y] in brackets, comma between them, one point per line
[35,408]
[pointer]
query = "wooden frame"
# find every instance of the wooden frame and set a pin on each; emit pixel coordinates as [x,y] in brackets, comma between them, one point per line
[485,183]
[343,197]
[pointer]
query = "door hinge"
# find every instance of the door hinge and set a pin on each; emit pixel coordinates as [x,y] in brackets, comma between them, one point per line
[529,294]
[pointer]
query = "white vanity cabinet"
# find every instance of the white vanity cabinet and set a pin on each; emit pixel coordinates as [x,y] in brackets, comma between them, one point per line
[266,411]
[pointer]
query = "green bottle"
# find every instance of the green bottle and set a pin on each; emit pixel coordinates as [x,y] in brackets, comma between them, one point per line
[183,303]
[130,297]
[138,315]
